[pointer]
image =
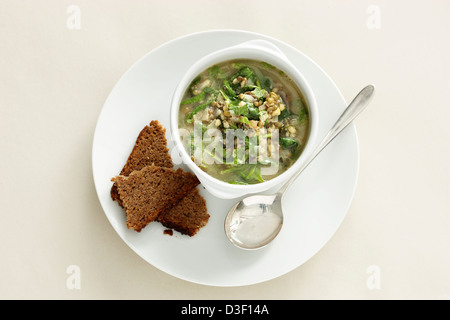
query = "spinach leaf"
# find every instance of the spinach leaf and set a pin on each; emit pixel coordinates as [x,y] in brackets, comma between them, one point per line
[215,72]
[238,109]
[209,90]
[253,112]
[197,110]
[252,173]
[196,80]
[244,108]
[244,120]
[245,72]
[257,174]
[286,142]
[284,114]
[194,99]
[200,96]
[237,65]
[303,115]
[245,174]
[259,92]
[230,92]
[266,84]
[268,65]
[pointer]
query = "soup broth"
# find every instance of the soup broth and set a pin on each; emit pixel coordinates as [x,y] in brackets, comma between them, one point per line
[254,113]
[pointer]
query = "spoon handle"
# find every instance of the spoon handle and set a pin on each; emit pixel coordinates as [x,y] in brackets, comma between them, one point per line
[358,104]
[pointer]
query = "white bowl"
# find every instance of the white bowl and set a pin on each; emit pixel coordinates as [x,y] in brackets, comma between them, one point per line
[260,50]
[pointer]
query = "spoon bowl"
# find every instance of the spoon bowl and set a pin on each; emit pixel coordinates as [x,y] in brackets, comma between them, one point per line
[256,220]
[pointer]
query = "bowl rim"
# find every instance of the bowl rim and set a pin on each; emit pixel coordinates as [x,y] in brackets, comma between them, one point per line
[240,51]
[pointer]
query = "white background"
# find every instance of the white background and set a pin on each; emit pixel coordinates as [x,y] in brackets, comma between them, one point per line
[54,81]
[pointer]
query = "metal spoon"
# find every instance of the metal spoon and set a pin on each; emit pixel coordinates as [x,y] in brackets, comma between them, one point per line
[256,220]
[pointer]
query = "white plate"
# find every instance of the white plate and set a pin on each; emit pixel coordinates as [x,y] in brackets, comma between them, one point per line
[315,205]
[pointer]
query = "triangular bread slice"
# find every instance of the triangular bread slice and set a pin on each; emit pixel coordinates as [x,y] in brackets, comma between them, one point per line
[148,192]
[150,149]
[188,215]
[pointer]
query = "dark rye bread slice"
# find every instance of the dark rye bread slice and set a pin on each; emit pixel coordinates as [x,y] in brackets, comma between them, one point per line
[150,149]
[188,215]
[148,192]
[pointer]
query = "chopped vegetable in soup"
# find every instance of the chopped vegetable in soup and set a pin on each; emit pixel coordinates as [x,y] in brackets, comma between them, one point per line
[245,121]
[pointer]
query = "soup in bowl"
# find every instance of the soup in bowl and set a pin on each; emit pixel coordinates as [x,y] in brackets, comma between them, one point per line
[243,117]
